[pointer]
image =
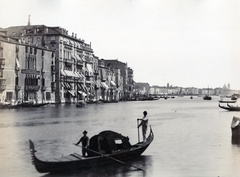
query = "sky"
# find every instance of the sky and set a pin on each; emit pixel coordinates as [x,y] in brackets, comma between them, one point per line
[186,43]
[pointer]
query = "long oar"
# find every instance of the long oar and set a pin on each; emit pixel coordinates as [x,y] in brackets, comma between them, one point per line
[119,161]
[138,130]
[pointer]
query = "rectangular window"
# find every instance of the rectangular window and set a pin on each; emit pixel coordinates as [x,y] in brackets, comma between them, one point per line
[16,81]
[35,51]
[9,96]
[48,96]
[43,82]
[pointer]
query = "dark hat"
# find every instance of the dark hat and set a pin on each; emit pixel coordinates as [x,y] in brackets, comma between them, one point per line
[85,132]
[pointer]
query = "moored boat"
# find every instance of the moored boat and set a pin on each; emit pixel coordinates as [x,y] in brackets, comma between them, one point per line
[80,103]
[229,107]
[207,97]
[105,148]
[235,126]
[24,105]
[227,101]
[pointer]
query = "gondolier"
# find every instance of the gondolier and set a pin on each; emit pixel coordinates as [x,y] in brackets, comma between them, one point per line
[144,124]
[85,141]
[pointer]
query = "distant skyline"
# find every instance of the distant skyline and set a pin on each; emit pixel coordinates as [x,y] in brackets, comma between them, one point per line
[190,43]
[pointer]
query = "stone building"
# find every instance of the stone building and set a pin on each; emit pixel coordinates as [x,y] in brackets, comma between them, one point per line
[76,73]
[26,72]
[74,59]
[124,92]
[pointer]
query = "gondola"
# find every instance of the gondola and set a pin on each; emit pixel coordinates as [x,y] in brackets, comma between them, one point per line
[80,104]
[227,101]
[206,97]
[105,148]
[230,108]
[24,105]
[235,126]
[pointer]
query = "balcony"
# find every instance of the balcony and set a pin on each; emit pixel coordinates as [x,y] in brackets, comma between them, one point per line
[2,63]
[96,72]
[43,88]
[32,87]
[17,87]
[70,61]
[79,62]
[53,69]
[53,86]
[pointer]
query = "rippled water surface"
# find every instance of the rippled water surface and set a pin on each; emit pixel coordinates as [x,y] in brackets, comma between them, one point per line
[192,137]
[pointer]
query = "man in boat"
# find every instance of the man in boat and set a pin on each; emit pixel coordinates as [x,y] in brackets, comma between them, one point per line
[144,124]
[85,142]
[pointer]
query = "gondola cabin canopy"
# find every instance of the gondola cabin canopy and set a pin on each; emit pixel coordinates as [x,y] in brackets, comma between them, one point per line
[108,142]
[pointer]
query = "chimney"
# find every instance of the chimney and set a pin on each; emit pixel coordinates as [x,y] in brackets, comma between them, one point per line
[75,35]
[29,23]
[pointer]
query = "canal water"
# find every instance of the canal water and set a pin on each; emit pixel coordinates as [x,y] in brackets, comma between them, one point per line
[192,137]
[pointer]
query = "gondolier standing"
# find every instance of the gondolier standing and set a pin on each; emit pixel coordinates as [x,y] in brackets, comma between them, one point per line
[144,124]
[85,141]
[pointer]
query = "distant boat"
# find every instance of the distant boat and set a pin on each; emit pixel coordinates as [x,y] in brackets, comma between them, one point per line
[23,105]
[80,103]
[207,97]
[229,107]
[227,101]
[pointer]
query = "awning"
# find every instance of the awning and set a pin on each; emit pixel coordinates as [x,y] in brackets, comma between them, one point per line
[90,70]
[76,74]
[83,88]
[69,73]
[104,85]
[73,56]
[71,92]
[82,93]
[18,64]
[78,58]
[82,75]
[82,58]
[112,83]
[63,73]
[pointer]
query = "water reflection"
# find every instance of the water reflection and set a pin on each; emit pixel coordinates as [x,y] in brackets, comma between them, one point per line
[114,170]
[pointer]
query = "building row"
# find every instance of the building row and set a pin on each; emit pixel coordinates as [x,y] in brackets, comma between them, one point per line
[146,89]
[39,63]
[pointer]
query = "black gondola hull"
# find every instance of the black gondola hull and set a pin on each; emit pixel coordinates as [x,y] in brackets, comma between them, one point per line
[80,163]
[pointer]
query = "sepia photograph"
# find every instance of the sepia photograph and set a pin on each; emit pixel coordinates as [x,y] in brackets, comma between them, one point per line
[119,88]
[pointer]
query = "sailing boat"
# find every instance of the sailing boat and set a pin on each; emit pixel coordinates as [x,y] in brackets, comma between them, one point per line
[207,97]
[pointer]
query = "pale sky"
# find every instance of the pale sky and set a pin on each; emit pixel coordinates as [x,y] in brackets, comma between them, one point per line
[188,43]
